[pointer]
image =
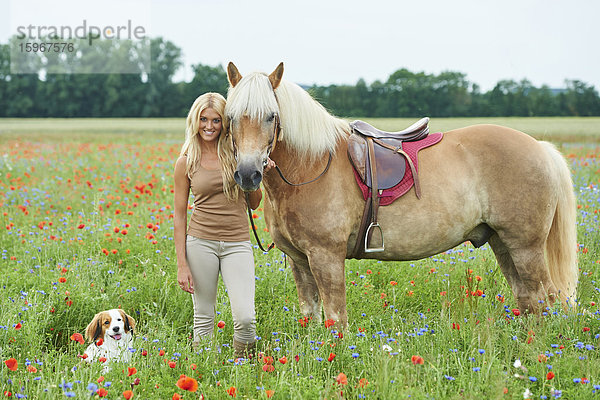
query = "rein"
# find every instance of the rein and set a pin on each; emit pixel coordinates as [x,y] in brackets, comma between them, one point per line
[307,182]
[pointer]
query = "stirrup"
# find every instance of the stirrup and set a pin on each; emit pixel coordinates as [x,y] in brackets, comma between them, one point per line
[374,249]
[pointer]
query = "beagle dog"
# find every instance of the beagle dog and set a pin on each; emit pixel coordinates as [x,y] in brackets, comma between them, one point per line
[111,337]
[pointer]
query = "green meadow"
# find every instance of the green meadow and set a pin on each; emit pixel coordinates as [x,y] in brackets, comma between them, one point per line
[87,207]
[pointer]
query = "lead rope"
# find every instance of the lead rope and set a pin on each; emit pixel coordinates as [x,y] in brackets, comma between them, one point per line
[254,227]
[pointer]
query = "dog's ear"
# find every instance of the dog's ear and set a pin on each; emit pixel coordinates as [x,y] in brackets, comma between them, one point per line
[129,321]
[94,329]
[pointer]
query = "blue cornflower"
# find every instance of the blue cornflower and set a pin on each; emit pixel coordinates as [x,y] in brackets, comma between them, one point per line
[92,387]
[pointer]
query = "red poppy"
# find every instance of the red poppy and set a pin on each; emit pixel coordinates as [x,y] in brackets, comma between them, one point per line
[131,371]
[172,364]
[331,357]
[128,394]
[221,324]
[417,360]
[329,323]
[176,397]
[32,369]
[283,360]
[102,392]
[102,359]
[100,379]
[363,382]
[268,368]
[161,353]
[187,383]
[231,391]
[550,375]
[100,342]
[12,364]
[18,326]
[80,226]
[516,312]
[78,337]
[341,379]
[269,393]
[393,283]
[62,279]
[586,329]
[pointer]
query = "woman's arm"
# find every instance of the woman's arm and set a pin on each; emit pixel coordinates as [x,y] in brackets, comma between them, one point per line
[182,194]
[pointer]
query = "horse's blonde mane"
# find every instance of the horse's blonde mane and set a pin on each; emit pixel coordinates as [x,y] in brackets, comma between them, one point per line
[306,126]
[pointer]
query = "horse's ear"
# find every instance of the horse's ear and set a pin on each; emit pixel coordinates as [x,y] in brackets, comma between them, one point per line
[276,76]
[233,75]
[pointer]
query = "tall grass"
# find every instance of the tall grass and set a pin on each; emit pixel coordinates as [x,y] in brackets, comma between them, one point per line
[69,190]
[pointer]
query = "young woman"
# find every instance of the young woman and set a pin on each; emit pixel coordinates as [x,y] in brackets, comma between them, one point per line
[217,239]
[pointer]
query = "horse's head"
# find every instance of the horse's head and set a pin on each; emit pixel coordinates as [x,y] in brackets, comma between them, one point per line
[253,113]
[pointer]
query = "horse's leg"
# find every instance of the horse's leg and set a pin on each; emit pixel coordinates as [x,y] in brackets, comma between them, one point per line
[308,292]
[526,271]
[506,263]
[536,285]
[328,270]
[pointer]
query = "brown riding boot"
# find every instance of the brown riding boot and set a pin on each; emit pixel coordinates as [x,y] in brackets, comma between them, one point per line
[243,350]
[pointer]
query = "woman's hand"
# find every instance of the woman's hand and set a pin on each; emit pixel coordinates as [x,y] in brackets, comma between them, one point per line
[185,279]
[270,164]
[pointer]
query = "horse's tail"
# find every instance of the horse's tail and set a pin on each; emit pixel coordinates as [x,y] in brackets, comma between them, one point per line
[561,245]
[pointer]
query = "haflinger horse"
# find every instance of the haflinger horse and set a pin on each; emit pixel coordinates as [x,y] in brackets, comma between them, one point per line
[482,183]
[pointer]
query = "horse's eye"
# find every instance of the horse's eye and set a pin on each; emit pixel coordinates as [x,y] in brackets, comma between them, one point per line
[271,117]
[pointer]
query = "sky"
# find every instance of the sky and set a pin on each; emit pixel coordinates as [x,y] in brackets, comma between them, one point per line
[340,41]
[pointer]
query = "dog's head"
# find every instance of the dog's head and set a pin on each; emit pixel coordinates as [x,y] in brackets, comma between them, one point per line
[111,324]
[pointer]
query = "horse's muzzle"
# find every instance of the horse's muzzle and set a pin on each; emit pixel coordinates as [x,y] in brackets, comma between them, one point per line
[248,177]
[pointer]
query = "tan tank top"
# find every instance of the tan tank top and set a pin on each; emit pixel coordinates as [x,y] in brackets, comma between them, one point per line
[214,216]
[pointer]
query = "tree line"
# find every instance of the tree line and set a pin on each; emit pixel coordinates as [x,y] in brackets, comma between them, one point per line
[155,94]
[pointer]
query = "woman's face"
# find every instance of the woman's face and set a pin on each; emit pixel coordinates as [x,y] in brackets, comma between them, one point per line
[210,125]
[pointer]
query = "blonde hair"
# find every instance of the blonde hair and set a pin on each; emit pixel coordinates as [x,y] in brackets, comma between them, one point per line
[306,125]
[191,147]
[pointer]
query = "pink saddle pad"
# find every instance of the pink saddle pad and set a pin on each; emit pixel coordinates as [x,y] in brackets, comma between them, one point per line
[388,196]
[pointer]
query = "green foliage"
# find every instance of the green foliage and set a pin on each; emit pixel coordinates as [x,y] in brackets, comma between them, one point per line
[51,90]
[55,276]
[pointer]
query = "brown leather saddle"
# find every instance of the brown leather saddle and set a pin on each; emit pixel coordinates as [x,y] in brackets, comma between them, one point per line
[380,161]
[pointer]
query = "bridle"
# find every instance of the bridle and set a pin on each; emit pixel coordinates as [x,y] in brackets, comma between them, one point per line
[271,146]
